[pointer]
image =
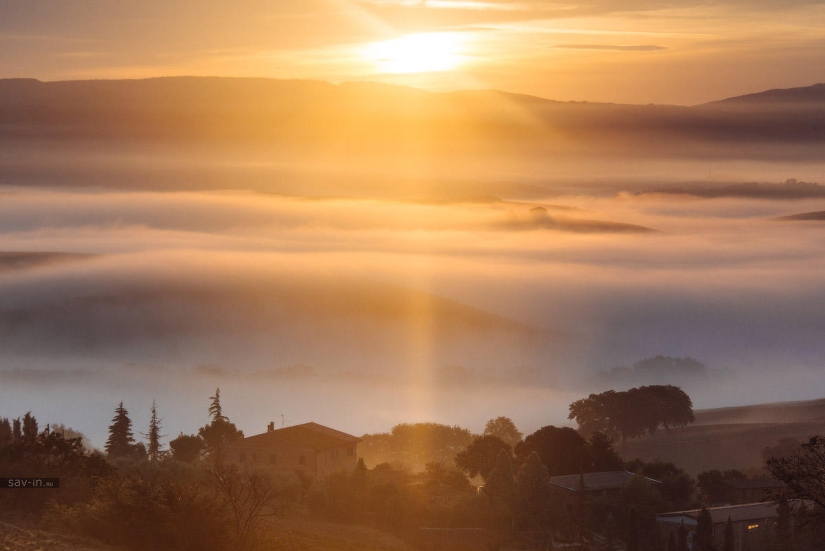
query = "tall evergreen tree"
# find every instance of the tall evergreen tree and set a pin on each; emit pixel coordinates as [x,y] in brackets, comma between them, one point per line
[154,450]
[729,541]
[681,538]
[633,530]
[121,441]
[16,431]
[219,431]
[783,524]
[215,410]
[5,432]
[582,513]
[533,494]
[29,427]
[703,538]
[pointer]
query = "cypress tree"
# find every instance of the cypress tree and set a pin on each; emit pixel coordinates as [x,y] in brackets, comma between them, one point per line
[681,543]
[215,410]
[5,432]
[17,432]
[154,451]
[121,441]
[703,538]
[729,542]
[29,427]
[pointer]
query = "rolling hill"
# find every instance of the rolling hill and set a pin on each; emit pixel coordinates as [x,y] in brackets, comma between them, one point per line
[733,437]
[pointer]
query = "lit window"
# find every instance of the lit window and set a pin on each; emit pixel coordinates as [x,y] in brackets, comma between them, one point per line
[753,526]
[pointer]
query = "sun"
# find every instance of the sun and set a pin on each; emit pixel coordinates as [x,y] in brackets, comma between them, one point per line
[417,53]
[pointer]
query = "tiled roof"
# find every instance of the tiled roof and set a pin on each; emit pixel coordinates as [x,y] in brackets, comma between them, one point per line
[311,435]
[597,481]
[748,511]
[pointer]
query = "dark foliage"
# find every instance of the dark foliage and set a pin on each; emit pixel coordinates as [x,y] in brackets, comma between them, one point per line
[562,450]
[480,456]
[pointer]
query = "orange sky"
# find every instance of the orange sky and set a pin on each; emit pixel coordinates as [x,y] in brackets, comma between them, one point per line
[634,51]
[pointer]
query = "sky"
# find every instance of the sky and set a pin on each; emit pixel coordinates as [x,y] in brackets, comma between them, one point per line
[360,255]
[635,51]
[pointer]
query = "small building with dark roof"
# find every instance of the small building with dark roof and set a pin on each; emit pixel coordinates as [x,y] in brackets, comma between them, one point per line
[751,523]
[310,448]
[604,485]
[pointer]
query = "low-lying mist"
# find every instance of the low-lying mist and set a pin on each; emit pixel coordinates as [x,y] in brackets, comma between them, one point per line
[362,312]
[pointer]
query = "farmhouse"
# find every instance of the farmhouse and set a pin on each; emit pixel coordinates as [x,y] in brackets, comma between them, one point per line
[605,486]
[752,524]
[310,448]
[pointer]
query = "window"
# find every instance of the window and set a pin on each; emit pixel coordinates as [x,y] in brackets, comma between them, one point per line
[272,458]
[753,526]
[302,459]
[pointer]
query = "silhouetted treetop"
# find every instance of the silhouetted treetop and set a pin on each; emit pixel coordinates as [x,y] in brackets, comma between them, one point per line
[633,412]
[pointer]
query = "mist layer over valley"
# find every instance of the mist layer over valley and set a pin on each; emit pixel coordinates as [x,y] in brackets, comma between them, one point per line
[448,259]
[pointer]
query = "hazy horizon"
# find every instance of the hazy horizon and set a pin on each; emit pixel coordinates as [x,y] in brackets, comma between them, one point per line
[383,251]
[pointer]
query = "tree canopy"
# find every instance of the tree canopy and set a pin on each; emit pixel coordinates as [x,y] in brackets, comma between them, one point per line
[503,428]
[631,413]
[480,456]
[561,449]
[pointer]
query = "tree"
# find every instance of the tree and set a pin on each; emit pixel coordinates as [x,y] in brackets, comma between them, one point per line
[6,436]
[16,431]
[29,427]
[703,538]
[501,483]
[220,431]
[480,457]
[676,485]
[187,447]
[215,410]
[712,483]
[503,428]
[562,450]
[681,538]
[783,524]
[633,530]
[533,494]
[603,454]
[633,412]
[671,542]
[121,441]
[802,473]
[154,451]
[729,538]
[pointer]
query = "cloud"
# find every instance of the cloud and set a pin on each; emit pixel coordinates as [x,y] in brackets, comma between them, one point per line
[636,48]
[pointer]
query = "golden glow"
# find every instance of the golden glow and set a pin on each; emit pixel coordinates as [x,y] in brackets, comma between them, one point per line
[417,53]
[753,526]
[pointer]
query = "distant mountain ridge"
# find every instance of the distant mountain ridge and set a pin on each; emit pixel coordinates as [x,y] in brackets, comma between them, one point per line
[372,118]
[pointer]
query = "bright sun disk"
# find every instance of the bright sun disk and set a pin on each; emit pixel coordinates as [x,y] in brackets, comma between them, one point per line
[417,53]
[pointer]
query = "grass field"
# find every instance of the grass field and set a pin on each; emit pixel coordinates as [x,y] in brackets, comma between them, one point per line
[731,438]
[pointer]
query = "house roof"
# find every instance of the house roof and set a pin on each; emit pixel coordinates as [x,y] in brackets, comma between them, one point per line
[597,481]
[737,513]
[311,435]
[755,484]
